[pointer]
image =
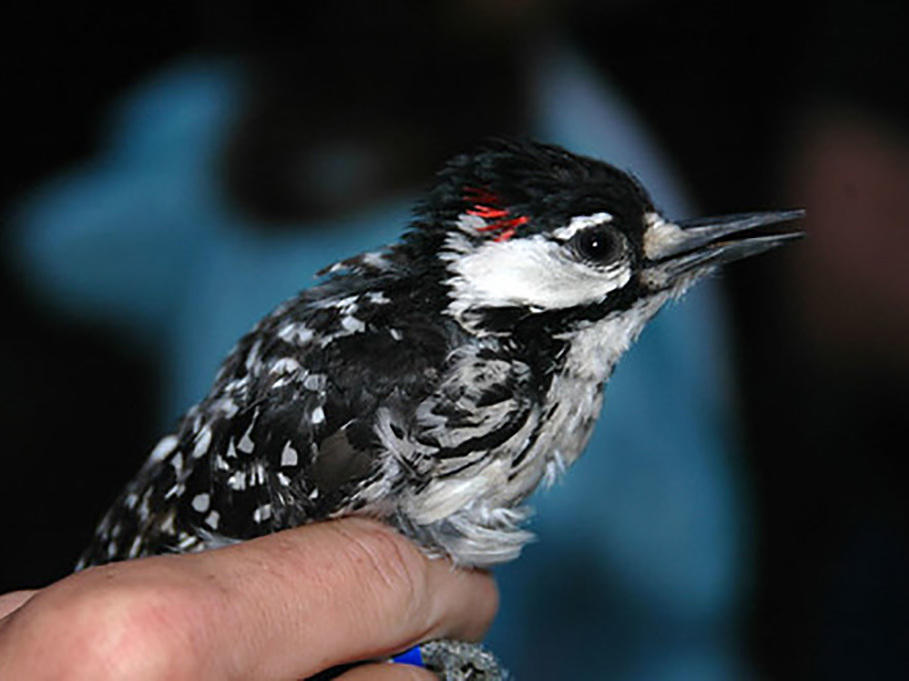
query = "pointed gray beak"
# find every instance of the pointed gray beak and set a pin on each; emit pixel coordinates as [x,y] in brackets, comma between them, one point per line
[698,245]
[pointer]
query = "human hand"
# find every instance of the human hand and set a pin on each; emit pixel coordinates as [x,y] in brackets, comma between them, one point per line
[285,606]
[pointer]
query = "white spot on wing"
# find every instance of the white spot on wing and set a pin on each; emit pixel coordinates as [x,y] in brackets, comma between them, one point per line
[164,447]
[246,444]
[200,502]
[296,333]
[187,541]
[144,509]
[285,365]
[317,416]
[203,440]
[289,455]
[257,474]
[167,525]
[237,481]
[175,491]
[262,513]
[253,357]
[375,259]
[212,520]
[229,407]
[352,324]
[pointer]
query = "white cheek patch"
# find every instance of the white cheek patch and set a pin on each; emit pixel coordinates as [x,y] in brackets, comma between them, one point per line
[580,222]
[660,236]
[532,271]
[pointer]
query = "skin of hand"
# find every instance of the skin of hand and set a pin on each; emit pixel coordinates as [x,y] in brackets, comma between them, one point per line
[283,606]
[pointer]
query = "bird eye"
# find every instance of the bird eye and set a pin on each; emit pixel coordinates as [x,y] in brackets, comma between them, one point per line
[599,245]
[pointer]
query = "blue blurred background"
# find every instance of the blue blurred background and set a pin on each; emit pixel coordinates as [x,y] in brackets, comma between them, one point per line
[179,169]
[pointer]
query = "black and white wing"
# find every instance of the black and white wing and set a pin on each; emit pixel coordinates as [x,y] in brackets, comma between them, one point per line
[341,403]
[287,434]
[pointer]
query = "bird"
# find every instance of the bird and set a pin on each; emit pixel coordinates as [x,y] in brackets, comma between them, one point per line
[433,384]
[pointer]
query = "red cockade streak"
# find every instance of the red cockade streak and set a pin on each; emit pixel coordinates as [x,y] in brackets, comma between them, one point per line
[484,203]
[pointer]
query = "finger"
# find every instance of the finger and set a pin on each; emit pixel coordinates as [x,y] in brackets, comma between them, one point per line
[388,672]
[13,601]
[283,606]
[303,600]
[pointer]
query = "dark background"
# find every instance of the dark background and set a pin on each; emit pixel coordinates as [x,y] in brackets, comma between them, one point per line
[760,105]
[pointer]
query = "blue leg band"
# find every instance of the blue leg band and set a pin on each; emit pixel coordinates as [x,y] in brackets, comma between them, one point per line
[413,656]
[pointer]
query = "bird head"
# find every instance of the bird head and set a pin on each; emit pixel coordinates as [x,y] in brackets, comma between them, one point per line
[531,231]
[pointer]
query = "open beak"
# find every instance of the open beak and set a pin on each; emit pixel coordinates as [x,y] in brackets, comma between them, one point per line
[699,245]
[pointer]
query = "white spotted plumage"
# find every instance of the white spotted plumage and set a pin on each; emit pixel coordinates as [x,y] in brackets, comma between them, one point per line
[435,384]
